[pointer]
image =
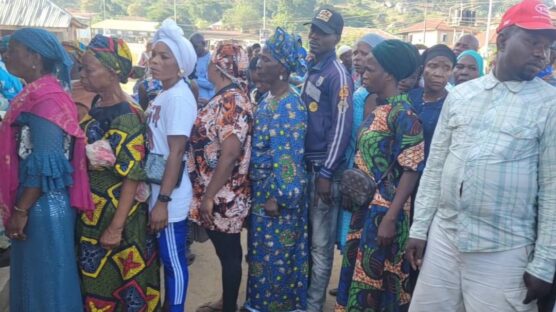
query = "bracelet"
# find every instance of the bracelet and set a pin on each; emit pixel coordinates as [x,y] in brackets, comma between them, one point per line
[23,211]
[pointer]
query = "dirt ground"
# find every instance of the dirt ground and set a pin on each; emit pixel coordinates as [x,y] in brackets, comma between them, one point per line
[205,284]
[204,279]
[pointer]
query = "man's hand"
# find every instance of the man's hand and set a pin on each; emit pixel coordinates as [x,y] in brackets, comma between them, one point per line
[414,252]
[536,288]
[324,190]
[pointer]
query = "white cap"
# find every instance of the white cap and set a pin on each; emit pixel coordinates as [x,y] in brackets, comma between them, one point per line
[343,49]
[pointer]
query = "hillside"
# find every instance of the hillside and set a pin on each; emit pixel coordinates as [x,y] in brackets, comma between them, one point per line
[247,15]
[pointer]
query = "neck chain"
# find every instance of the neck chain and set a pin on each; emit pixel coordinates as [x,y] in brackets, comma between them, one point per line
[433,100]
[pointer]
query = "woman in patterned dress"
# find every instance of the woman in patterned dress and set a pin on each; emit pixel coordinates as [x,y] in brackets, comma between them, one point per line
[218,166]
[43,176]
[118,259]
[391,137]
[278,239]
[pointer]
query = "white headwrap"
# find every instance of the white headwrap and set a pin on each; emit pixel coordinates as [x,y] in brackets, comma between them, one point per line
[172,35]
[343,49]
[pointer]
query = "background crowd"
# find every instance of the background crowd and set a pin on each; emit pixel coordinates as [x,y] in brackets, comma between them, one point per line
[435,179]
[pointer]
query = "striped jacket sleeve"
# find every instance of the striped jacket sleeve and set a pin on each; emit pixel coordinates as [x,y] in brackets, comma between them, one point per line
[341,98]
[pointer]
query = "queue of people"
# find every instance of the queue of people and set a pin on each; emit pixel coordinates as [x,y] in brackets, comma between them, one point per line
[384,151]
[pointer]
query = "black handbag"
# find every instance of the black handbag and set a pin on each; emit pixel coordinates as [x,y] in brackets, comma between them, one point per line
[359,186]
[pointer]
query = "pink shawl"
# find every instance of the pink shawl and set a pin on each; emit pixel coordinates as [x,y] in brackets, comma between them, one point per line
[44,98]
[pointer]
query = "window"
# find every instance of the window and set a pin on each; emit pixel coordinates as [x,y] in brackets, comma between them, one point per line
[444,38]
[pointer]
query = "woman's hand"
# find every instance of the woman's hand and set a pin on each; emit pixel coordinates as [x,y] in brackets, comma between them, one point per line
[16,226]
[159,217]
[271,208]
[206,210]
[386,231]
[111,237]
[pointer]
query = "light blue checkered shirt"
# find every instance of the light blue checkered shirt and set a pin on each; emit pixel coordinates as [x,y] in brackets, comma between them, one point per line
[490,179]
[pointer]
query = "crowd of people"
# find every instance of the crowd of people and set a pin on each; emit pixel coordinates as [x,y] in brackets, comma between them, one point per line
[435,179]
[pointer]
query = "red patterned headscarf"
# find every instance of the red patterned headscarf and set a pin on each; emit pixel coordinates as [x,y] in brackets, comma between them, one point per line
[232,60]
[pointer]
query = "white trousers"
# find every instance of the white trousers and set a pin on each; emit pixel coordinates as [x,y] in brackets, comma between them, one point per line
[452,281]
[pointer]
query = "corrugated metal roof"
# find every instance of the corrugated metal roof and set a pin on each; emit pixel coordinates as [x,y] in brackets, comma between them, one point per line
[34,13]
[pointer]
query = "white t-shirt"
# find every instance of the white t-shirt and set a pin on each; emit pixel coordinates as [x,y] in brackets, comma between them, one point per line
[172,112]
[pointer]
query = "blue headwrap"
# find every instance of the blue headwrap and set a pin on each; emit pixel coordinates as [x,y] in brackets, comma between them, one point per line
[286,49]
[546,72]
[478,60]
[48,46]
[372,40]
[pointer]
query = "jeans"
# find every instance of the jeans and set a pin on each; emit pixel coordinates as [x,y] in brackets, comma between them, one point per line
[323,225]
[229,252]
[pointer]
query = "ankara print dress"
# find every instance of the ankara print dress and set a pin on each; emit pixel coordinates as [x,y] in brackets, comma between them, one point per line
[228,113]
[375,278]
[278,246]
[127,277]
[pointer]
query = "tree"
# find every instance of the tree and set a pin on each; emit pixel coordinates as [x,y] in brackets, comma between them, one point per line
[290,14]
[242,16]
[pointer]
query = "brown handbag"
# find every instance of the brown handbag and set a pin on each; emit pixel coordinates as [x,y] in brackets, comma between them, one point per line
[359,186]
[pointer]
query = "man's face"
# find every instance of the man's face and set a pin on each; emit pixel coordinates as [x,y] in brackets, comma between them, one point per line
[464,43]
[320,42]
[525,53]
[199,44]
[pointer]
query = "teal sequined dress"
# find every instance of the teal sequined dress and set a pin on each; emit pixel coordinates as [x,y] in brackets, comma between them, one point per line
[43,271]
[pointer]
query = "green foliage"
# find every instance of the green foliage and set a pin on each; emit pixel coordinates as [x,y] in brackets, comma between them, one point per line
[242,16]
[391,15]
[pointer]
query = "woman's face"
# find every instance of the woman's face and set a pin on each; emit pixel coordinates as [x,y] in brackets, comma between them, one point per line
[163,64]
[19,60]
[213,73]
[268,68]
[405,85]
[437,72]
[360,52]
[466,69]
[374,76]
[95,77]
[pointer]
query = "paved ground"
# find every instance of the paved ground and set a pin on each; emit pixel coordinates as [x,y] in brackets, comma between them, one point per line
[204,279]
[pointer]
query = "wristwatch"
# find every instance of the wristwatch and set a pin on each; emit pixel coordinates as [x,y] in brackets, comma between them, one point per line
[164,198]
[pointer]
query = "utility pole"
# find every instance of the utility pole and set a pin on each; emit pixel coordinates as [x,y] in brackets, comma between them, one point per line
[264,15]
[487,34]
[425,24]
[104,16]
[175,12]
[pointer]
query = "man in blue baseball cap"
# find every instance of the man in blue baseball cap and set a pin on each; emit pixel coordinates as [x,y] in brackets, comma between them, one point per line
[327,93]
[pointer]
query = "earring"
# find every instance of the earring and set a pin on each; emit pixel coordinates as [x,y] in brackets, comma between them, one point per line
[181,73]
[281,77]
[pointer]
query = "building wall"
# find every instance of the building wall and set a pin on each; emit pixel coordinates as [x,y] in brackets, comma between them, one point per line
[430,38]
[127,35]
